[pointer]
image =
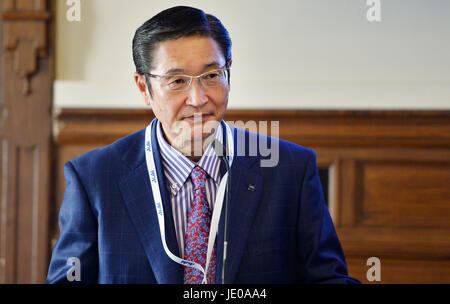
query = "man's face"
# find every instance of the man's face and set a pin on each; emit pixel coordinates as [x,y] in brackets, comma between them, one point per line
[175,109]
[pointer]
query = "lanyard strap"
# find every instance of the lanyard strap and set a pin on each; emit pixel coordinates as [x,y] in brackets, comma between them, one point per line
[151,168]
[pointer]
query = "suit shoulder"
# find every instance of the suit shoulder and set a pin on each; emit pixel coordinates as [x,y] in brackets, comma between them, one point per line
[296,150]
[287,151]
[102,156]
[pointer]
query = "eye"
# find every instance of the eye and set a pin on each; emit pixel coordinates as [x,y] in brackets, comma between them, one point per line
[179,81]
[212,75]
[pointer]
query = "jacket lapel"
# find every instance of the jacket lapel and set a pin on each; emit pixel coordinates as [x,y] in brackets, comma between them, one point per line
[241,212]
[136,191]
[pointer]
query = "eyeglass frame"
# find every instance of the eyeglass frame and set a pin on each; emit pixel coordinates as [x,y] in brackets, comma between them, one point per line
[225,67]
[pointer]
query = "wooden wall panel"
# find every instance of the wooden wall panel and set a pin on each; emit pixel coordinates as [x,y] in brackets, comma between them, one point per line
[404,270]
[392,202]
[25,109]
[388,178]
[420,190]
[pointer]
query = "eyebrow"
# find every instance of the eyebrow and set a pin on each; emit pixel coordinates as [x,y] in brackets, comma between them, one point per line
[205,67]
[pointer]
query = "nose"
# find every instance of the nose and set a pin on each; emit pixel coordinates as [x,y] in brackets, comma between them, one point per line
[197,96]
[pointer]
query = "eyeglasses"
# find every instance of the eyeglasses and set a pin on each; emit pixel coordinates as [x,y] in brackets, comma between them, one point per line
[210,79]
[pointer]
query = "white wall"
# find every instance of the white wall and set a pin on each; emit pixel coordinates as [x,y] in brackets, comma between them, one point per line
[288,54]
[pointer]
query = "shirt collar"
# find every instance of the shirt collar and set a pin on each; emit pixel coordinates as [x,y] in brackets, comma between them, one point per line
[178,167]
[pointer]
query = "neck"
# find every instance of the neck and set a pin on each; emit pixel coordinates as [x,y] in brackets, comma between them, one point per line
[190,148]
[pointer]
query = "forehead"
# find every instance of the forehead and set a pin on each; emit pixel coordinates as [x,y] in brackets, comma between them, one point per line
[186,54]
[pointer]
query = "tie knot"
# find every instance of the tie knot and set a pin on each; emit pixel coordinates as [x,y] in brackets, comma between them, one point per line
[198,176]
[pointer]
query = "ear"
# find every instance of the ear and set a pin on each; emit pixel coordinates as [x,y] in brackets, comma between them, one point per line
[142,87]
[229,63]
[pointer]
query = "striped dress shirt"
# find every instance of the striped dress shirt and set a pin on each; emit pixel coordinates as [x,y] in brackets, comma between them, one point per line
[177,170]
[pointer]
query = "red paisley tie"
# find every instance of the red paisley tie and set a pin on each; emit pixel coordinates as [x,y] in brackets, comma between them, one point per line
[197,232]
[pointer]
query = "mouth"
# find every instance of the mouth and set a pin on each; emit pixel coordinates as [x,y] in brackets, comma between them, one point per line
[203,117]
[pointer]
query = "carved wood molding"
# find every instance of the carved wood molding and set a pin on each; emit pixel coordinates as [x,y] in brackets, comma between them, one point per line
[25,36]
[26,54]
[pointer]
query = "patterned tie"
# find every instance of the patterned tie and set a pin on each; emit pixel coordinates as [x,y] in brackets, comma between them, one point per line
[197,232]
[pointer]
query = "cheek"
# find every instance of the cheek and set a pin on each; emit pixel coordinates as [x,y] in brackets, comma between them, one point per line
[221,99]
[167,108]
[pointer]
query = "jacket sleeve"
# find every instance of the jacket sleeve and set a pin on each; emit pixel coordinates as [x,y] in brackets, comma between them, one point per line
[75,255]
[321,256]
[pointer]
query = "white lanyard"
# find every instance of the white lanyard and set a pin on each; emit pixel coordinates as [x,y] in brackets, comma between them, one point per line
[160,210]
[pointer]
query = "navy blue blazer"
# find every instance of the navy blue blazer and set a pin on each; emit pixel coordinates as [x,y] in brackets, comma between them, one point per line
[279,232]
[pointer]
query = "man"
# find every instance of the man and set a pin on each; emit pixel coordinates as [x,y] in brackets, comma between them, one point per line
[148,208]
